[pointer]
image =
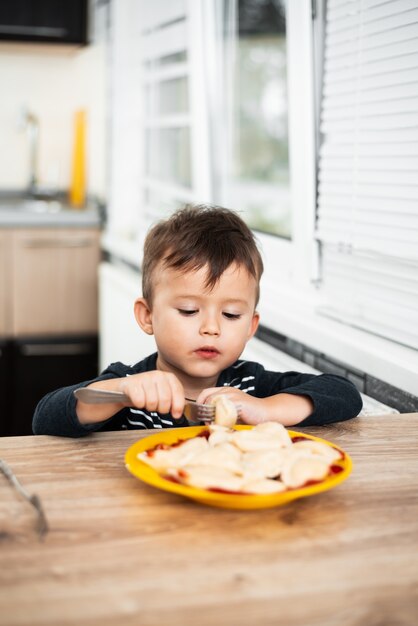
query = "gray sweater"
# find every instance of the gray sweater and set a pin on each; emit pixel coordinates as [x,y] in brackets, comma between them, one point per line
[334,398]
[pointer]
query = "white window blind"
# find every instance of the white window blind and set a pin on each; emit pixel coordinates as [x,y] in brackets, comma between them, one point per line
[368,167]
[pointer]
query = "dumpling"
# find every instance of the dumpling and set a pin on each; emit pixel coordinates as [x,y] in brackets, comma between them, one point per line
[251,440]
[300,468]
[218,434]
[208,477]
[226,413]
[225,456]
[263,463]
[177,456]
[263,486]
[276,430]
[318,448]
[260,460]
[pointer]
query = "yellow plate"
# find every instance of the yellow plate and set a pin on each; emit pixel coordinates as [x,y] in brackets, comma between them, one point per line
[225,500]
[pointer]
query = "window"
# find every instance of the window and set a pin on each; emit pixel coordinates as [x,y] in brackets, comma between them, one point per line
[217,124]
[175,89]
[167,123]
[259,177]
[368,216]
[175,154]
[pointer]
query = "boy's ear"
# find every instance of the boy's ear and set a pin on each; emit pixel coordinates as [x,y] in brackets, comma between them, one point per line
[254,325]
[143,315]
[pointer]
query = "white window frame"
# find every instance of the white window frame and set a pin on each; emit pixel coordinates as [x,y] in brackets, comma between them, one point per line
[292,265]
[289,290]
[182,36]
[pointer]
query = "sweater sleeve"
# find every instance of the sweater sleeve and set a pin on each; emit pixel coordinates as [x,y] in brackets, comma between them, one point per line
[56,414]
[335,398]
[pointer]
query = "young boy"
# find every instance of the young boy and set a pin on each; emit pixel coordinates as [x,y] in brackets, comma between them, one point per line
[200,278]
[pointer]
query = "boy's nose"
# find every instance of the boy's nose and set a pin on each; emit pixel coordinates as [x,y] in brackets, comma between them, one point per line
[210,326]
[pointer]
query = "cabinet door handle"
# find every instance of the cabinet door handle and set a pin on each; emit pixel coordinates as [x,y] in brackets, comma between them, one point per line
[59,243]
[55,349]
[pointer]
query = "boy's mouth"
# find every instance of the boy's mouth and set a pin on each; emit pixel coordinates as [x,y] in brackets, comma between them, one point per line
[207,352]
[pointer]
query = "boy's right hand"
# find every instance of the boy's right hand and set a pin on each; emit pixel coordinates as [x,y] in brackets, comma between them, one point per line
[154,391]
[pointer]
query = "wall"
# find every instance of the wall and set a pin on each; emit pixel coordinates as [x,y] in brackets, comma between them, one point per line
[53,82]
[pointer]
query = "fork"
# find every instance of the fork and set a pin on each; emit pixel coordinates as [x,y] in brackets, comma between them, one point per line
[34,500]
[194,411]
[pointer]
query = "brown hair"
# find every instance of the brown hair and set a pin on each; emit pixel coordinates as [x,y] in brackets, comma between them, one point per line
[200,235]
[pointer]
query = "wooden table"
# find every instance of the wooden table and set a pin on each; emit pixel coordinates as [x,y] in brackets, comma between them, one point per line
[120,552]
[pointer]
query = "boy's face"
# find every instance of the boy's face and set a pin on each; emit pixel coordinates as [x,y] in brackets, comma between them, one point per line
[199,332]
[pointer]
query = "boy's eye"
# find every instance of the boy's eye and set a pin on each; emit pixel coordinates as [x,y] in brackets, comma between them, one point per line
[187,312]
[232,316]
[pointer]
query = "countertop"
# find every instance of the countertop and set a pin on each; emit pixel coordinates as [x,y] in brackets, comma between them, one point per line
[121,552]
[20,212]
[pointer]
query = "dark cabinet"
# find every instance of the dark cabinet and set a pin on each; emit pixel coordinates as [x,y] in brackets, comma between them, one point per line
[37,366]
[5,386]
[48,313]
[49,21]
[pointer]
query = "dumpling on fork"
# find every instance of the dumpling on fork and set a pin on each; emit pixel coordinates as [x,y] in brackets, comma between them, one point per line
[226,413]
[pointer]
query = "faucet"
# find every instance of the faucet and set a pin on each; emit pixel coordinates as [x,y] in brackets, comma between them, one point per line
[30,123]
[33,132]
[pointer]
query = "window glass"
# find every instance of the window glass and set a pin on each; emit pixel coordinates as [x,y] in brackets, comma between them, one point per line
[168,155]
[259,178]
[160,205]
[167,97]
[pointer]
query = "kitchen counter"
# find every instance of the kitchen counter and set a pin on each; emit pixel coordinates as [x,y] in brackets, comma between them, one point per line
[17,211]
[61,219]
[121,552]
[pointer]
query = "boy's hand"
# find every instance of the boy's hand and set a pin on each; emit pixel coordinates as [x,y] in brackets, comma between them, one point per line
[251,410]
[155,391]
[288,409]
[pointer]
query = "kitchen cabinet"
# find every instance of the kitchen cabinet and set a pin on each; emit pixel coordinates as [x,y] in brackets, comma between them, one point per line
[4,284]
[41,365]
[48,316]
[45,21]
[54,277]
[5,387]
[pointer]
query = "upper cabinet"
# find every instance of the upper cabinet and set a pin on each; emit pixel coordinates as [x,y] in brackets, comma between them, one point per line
[46,21]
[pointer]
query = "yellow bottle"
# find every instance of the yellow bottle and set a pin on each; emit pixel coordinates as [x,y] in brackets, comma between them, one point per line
[78,174]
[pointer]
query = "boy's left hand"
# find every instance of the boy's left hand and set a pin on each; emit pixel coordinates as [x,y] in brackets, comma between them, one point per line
[251,410]
[287,409]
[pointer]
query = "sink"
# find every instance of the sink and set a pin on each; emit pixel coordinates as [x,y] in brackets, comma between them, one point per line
[34,202]
[46,207]
[41,206]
